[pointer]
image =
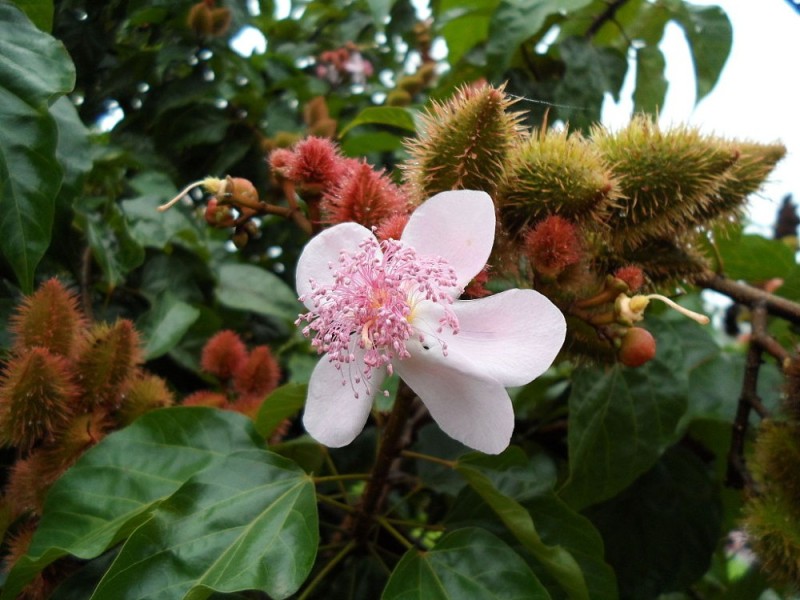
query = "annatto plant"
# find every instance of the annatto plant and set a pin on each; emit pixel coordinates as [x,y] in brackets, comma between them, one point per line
[495,377]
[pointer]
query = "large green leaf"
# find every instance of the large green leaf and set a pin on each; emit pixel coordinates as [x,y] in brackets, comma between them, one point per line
[661,532]
[559,563]
[35,70]
[248,522]
[250,288]
[115,486]
[40,12]
[622,420]
[710,36]
[529,482]
[515,21]
[467,563]
[280,405]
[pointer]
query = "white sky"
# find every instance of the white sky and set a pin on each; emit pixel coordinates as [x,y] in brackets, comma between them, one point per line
[756,98]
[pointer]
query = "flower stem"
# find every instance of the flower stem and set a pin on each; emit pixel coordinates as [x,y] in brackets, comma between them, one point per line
[394,532]
[390,448]
[325,570]
[451,464]
[344,477]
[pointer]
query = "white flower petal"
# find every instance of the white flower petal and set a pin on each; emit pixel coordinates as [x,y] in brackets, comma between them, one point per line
[513,336]
[323,250]
[457,226]
[474,410]
[333,415]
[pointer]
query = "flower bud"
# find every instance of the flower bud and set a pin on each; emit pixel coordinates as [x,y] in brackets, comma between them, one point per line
[218,216]
[638,347]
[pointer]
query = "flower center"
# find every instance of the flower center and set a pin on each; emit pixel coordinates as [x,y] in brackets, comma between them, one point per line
[371,304]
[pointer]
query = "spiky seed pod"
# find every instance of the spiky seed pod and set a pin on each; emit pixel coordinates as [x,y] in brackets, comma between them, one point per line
[259,375]
[31,478]
[223,354]
[105,367]
[317,165]
[146,393]
[632,275]
[745,176]
[553,245]
[37,395]
[364,196]
[49,318]
[772,518]
[555,173]
[667,178]
[392,227]
[463,143]
[83,432]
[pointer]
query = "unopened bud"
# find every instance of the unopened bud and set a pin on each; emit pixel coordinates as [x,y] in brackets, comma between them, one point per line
[219,216]
[638,347]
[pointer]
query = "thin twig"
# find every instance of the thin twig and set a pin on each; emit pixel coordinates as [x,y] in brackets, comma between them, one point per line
[737,475]
[604,17]
[751,296]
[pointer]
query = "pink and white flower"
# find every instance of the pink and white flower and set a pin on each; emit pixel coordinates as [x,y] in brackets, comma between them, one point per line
[376,308]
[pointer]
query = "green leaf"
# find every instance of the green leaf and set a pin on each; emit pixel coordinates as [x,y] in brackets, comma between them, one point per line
[463,24]
[114,487]
[754,258]
[251,288]
[394,116]
[677,504]
[622,419]
[40,12]
[248,522]
[710,35]
[467,563]
[166,324]
[280,405]
[35,70]
[651,85]
[515,21]
[559,563]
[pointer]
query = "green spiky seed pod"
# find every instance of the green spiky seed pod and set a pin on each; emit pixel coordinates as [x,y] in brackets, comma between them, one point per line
[772,518]
[554,173]
[754,164]
[105,367]
[666,177]
[49,318]
[36,398]
[145,393]
[463,143]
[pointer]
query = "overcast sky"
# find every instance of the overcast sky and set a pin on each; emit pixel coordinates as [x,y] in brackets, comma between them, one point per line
[757,97]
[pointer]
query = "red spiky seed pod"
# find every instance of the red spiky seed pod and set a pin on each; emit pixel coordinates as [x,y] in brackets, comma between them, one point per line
[553,245]
[632,275]
[392,227]
[36,398]
[364,196]
[48,318]
[317,165]
[259,375]
[223,354]
[638,347]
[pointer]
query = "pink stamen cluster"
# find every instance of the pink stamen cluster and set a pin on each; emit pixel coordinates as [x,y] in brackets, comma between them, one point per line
[371,302]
